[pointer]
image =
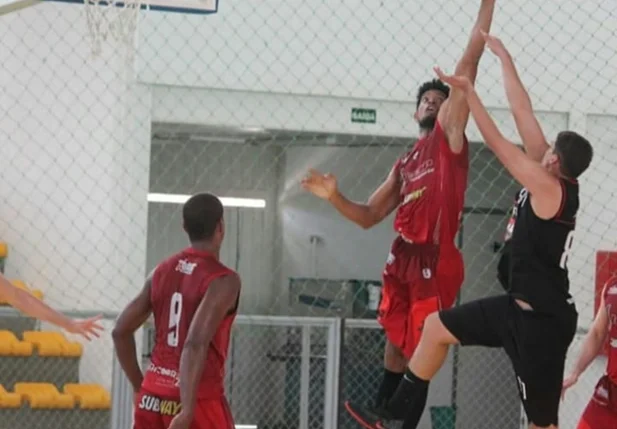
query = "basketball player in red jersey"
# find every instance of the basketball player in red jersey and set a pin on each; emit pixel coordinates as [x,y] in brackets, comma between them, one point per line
[601,412]
[194,298]
[424,270]
[34,307]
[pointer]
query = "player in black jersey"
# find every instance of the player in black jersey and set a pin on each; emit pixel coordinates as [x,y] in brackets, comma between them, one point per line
[536,320]
[503,266]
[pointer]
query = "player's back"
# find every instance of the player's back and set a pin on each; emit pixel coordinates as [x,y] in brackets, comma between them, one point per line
[539,252]
[178,286]
[433,185]
[610,301]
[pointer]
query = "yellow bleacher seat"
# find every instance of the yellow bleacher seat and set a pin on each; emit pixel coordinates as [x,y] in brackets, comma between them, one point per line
[44,395]
[9,400]
[11,346]
[53,344]
[89,396]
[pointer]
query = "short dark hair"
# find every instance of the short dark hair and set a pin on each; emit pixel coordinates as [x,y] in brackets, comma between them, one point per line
[575,153]
[201,214]
[432,85]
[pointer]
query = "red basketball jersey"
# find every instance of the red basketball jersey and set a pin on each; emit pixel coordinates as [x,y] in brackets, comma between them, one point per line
[610,301]
[178,286]
[433,184]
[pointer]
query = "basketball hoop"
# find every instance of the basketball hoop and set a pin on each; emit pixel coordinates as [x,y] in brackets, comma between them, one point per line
[113,18]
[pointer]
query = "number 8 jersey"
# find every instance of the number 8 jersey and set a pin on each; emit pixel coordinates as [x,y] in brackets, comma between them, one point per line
[540,250]
[178,286]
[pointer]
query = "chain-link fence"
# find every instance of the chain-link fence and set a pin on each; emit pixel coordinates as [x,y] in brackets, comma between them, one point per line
[96,152]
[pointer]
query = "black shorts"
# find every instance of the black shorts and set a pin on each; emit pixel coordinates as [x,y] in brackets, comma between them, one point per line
[536,344]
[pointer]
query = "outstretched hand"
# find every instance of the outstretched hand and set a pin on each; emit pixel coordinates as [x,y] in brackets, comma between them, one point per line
[567,383]
[87,328]
[494,44]
[460,82]
[320,185]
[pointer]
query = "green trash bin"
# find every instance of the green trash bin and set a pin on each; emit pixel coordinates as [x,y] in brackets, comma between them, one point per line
[443,417]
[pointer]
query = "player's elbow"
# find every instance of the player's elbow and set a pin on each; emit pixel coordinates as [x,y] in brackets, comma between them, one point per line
[121,331]
[367,223]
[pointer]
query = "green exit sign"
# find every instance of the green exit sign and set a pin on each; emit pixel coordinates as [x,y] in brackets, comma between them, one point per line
[363,116]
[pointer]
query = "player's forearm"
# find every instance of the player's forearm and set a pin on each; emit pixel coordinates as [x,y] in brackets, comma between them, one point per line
[359,214]
[490,133]
[126,351]
[191,369]
[517,95]
[475,46]
[30,305]
[591,348]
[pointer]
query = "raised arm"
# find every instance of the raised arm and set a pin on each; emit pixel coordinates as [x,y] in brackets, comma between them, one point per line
[220,299]
[34,307]
[132,317]
[520,103]
[545,189]
[591,347]
[454,113]
[380,204]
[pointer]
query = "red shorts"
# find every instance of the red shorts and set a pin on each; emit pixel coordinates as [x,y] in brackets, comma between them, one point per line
[417,281]
[601,411]
[157,412]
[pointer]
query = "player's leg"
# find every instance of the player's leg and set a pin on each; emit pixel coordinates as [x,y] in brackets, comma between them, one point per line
[393,317]
[147,412]
[475,323]
[538,354]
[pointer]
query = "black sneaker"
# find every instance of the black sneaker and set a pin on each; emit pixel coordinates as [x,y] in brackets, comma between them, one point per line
[368,419]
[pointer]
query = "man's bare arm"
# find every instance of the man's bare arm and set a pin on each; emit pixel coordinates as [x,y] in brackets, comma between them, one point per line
[34,307]
[130,320]
[380,204]
[545,189]
[454,112]
[220,298]
[593,341]
[520,103]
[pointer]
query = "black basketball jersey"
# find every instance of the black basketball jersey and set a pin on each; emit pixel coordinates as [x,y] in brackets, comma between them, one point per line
[503,266]
[539,252]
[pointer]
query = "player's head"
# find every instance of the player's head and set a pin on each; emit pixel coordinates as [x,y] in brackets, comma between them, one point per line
[202,217]
[569,156]
[431,96]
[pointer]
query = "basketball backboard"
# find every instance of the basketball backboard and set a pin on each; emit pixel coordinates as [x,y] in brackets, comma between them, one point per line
[176,6]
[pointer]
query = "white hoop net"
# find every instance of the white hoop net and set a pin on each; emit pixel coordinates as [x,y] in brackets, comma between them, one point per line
[113,19]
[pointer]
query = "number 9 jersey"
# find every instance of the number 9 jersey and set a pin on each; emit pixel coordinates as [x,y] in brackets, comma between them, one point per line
[178,287]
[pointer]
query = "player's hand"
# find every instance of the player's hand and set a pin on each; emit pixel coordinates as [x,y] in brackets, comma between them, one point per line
[567,383]
[182,420]
[460,82]
[320,185]
[494,44]
[87,328]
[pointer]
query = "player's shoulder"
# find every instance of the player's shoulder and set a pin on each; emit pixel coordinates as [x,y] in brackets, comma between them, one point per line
[570,197]
[170,262]
[215,268]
